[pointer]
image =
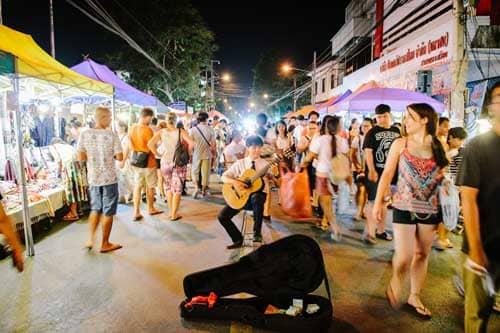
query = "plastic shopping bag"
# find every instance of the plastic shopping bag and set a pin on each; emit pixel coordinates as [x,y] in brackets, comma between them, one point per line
[295,196]
[343,198]
[450,205]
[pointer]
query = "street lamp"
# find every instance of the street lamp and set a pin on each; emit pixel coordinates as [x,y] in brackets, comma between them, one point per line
[266,96]
[226,77]
[252,104]
[287,68]
[225,100]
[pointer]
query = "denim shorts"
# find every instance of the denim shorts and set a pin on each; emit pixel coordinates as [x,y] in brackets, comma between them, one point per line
[104,199]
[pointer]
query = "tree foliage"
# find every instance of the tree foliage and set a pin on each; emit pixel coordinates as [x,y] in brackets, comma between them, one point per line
[268,79]
[181,42]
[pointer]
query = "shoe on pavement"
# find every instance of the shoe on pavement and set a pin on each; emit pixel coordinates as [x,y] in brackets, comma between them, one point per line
[369,240]
[459,284]
[267,219]
[384,235]
[496,306]
[235,245]
[257,239]
[195,194]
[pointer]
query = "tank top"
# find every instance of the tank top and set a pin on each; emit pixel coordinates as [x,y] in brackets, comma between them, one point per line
[417,186]
[168,143]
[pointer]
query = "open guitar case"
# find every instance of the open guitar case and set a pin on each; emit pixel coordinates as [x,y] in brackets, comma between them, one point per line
[276,273]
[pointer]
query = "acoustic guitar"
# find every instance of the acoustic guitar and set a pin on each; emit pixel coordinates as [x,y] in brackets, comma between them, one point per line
[236,197]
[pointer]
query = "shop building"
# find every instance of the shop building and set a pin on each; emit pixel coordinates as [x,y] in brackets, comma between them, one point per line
[414,48]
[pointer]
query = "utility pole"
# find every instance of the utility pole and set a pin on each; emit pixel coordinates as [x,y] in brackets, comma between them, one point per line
[52,38]
[212,81]
[459,66]
[1,17]
[206,91]
[313,83]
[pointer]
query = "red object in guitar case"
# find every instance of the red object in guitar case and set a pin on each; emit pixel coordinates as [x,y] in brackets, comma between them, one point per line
[276,274]
[295,195]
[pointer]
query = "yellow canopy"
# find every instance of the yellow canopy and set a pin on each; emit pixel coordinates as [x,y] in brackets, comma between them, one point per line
[33,61]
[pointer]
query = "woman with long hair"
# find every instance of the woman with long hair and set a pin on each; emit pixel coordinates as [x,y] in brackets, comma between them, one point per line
[324,148]
[174,176]
[420,160]
[283,140]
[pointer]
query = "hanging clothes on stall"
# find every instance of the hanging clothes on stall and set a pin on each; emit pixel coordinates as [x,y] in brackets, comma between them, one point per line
[43,131]
[62,128]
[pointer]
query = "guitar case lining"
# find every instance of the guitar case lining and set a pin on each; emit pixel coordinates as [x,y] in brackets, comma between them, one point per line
[290,268]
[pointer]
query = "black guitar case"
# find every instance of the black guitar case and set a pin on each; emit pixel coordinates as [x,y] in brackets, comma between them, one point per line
[290,268]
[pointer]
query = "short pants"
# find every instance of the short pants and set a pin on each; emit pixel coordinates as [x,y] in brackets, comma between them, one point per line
[104,199]
[371,189]
[406,217]
[146,176]
[174,177]
[323,186]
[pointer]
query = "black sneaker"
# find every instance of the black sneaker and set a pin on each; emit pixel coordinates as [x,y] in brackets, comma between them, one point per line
[267,219]
[384,235]
[235,245]
[257,239]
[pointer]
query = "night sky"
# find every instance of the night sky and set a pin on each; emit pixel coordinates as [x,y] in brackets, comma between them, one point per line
[243,31]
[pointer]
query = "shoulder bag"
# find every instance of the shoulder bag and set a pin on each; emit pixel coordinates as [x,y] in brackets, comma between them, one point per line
[139,159]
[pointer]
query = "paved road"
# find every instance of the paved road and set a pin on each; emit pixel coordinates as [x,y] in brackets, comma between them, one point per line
[139,288]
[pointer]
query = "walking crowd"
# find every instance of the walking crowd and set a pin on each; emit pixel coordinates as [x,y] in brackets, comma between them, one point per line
[398,170]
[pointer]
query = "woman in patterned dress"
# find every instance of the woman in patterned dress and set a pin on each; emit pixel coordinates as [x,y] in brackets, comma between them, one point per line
[420,160]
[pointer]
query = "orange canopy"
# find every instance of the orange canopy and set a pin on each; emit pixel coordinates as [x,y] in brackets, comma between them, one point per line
[304,111]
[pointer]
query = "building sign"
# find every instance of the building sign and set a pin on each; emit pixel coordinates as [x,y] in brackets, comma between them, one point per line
[179,105]
[427,53]
[6,63]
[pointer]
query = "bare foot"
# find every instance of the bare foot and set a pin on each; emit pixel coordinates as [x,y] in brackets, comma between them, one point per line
[110,247]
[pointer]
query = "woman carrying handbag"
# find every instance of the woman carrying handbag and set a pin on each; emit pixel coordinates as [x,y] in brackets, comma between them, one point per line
[174,160]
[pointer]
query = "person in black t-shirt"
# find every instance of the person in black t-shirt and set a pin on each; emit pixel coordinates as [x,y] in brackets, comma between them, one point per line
[479,181]
[376,146]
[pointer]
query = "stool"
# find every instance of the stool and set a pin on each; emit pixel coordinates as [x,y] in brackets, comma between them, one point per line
[247,228]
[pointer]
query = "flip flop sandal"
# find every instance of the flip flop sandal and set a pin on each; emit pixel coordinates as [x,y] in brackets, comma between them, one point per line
[417,311]
[138,218]
[391,298]
[156,213]
[177,218]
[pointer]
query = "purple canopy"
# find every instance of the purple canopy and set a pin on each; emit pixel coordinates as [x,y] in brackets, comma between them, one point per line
[323,108]
[123,91]
[397,99]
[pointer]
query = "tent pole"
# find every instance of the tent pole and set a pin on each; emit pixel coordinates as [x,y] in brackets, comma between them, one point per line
[113,112]
[28,235]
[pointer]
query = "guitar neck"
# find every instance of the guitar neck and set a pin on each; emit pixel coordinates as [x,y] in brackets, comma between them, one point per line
[261,172]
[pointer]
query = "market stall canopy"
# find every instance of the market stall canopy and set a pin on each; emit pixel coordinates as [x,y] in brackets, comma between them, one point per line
[368,85]
[397,99]
[323,108]
[304,111]
[123,91]
[33,61]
